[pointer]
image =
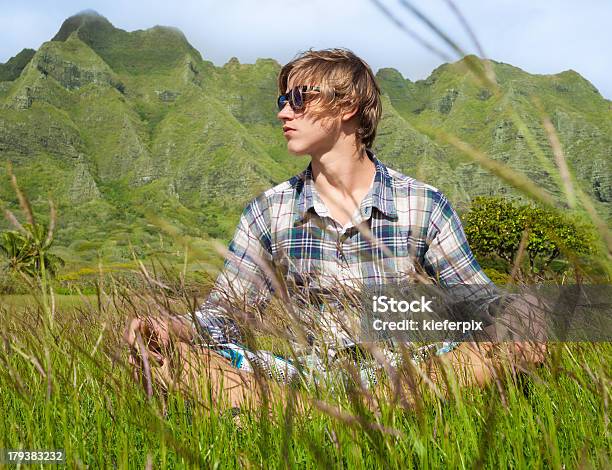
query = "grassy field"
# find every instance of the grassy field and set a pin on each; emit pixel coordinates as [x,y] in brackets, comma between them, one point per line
[65,384]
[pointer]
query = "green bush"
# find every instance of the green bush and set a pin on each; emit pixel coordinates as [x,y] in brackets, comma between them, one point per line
[495,227]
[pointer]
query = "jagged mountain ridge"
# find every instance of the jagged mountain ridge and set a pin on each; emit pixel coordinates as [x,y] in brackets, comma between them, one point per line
[121,127]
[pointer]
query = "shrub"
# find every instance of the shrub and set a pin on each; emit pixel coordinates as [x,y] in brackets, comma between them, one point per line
[496,226]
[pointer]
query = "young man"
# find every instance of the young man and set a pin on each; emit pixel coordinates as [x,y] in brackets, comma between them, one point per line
[347,220]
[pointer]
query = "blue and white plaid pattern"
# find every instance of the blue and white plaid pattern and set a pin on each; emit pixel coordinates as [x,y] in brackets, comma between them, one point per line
[402,227]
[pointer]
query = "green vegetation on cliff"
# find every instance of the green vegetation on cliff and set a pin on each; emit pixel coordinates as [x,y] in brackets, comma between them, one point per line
[134,136]
[13,67]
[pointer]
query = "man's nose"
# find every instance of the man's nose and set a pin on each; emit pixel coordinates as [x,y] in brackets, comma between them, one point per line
[286,113]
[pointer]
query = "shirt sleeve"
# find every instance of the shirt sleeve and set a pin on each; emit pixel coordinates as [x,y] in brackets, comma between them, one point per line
[244,280]
[450,261]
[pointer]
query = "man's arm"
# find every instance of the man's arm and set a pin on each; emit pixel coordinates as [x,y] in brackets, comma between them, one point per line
[246,278]
[242,278]
[451,262]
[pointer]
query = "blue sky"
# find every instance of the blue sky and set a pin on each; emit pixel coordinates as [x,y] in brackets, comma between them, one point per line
[539,36]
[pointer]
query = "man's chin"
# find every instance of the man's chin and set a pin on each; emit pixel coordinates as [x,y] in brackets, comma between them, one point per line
[296,150]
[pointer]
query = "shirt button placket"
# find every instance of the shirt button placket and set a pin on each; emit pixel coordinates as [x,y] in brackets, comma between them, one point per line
[342,260]
[339,253]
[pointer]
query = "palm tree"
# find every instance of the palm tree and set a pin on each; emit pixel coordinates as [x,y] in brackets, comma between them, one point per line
[27,251]
[27,248]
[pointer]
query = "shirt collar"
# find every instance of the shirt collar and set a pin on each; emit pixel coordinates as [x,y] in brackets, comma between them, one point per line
[381,194]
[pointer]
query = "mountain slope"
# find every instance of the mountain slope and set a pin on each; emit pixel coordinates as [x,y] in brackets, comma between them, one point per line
[124,129]
[454,101]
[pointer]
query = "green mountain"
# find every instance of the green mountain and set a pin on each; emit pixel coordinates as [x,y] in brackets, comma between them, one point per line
[13,67]
[132,132]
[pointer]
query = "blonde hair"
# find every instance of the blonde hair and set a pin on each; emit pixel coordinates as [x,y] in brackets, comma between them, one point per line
[346,82]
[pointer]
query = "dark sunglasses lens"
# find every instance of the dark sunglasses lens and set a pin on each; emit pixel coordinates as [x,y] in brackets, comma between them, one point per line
[296,96]
[281,102]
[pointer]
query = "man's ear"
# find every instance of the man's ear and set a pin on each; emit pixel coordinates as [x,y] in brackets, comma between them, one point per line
[349,113]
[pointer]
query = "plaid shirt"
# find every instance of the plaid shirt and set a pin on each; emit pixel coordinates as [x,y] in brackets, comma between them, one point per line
[401,227]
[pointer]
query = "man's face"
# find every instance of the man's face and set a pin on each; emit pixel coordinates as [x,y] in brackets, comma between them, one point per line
[306,133]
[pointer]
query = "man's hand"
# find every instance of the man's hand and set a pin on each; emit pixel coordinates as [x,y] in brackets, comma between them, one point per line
[476,364]
[156,335]
[528,352]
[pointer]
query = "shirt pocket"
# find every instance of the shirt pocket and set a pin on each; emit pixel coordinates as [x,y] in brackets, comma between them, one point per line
[398,259]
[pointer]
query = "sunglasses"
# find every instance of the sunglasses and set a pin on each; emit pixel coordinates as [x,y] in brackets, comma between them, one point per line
[295,97]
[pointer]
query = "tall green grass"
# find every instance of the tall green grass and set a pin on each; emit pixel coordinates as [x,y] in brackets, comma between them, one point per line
[69,387]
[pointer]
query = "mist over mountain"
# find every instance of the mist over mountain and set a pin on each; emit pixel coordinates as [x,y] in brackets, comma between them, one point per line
[123,130]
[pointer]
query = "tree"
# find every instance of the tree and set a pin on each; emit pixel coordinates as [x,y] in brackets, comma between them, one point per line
[551,234]
[27,251]
[496,226]
[27,247]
